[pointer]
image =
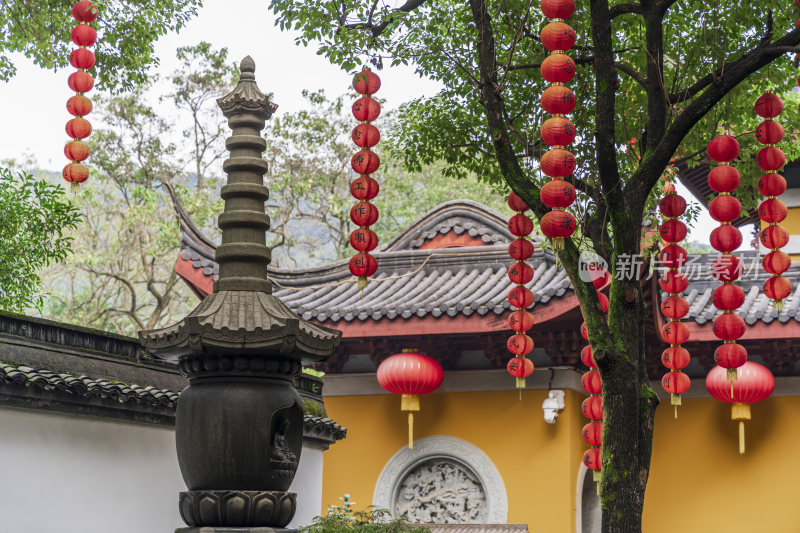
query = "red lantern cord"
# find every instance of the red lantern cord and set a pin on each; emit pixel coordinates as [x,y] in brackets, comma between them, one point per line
[520,297]
[772,211]
[674,307]
[592,406]
[81,82]
[727,267]
[365,188]
[557,131]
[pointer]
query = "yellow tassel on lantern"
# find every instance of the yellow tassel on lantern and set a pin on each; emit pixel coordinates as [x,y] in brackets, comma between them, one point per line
[410,403]
[74,187]
[740,412]
[558,243]
[777,305]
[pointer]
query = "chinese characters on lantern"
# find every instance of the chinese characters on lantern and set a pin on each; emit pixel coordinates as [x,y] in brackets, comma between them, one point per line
[365,188]
[79,105]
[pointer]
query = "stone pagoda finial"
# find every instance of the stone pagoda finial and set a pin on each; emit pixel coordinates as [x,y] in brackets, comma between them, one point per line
[243,256]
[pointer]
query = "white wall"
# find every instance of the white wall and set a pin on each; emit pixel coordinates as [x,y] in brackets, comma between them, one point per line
[69,474]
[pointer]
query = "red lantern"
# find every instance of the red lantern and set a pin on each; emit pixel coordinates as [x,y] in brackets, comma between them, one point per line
[516,203]
[592,459]
[730,355]
[558,68]
[673,256]
[366,109]
[672,230]
[675,357]
[79,105]
[776,262]
[366,82]
[366,135]
[80,81]
[673,282]
[769,132]
[725,208]
[520,320]
[587,357]
[754,383]
[723,148]
[768,106]
[770,158]
[727,297]
[558,131]
[603,301]
[520,249]
[558,36]
[729,327]
[557,163]
[557,193]
[774,237]
[558,9]
[772,210]
[520,344]
[777,288]
[672,205]
[593,433]
[520,225]
[82,58]
[674,307]
[364,214]
[85,11]
[675,382]
[75,173]
[520,297]
[365,162]
[520,367]
[558,100]
[726,268]
[675,332]
[771,185]
[364,188]
[557,224]
[584,331]
[592,407]
[600,278]
[726,238]
[723,178]
[78,128]
[591,383]
[410,374]
[76,150]
[520,273]
[83,35]
[363,240]
[363,265]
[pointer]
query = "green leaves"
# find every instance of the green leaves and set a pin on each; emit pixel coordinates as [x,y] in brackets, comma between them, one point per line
[344,519]
[35,216]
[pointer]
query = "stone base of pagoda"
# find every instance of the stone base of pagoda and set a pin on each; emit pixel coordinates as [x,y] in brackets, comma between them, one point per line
[236,511]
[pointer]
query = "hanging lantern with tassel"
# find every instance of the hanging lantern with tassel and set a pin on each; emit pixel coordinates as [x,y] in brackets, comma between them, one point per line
[558,132]
[410,374]
[771,185]
[728,327]
[674,307]
[520,297]
[753,384]
[77,151]
[365,188]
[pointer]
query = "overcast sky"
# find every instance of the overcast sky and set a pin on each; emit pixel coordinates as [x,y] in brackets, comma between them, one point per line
[35,98]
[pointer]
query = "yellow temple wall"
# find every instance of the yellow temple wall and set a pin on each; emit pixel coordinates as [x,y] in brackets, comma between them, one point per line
[698,482]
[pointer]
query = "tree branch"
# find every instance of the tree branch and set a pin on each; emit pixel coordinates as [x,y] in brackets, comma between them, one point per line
[377,29]
[622,9]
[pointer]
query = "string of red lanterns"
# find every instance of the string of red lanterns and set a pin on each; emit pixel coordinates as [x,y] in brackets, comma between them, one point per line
[365,187]
[558,132]
[520,297]
[728,327]
[592,407]
[81,82]
[772,211]
[674,307]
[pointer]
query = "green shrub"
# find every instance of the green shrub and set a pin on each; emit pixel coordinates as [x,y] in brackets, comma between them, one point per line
[343,519]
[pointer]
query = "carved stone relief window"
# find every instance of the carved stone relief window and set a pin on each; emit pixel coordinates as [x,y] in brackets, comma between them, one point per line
[443,480]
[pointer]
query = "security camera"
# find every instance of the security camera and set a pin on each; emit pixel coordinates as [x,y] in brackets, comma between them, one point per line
[552,406]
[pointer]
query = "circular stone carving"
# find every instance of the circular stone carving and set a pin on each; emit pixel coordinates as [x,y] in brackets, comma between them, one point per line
[432,471]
